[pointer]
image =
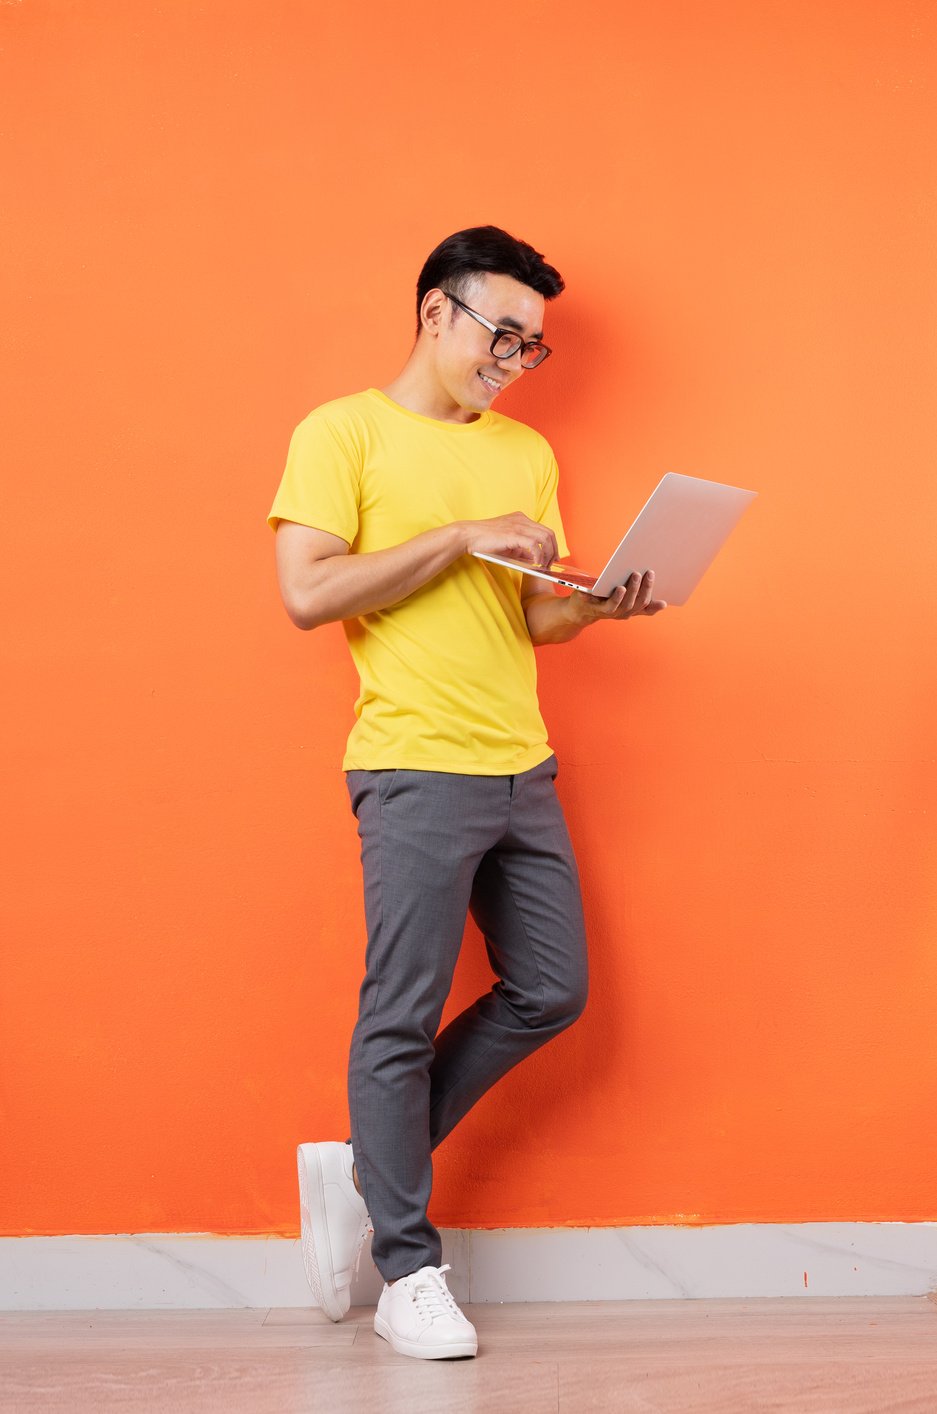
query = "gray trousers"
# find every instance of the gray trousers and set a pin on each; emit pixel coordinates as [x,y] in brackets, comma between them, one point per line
[433,846]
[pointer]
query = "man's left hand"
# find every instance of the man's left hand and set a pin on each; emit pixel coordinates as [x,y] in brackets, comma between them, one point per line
[634,599]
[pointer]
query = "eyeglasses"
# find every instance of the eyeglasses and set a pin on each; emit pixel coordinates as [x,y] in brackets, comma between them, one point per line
[506,344]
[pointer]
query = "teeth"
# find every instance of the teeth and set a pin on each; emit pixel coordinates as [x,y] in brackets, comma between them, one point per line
[490,381]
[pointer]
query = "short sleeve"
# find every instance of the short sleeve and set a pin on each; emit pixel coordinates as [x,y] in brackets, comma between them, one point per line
[548,510]
[320,485]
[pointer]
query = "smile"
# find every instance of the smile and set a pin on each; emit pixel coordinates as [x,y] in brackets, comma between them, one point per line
[490,383]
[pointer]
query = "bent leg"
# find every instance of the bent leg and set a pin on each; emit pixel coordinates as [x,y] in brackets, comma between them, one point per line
[527,902]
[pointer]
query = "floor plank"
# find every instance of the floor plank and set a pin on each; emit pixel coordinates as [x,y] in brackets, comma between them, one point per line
[854,1355]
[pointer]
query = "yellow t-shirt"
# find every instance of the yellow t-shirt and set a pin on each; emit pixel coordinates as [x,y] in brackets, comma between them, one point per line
[448,675]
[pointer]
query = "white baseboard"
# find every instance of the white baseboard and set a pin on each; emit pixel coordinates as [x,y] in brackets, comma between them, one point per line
[154,1271]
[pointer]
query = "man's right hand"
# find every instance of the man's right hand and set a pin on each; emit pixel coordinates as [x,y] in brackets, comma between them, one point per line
[515,536]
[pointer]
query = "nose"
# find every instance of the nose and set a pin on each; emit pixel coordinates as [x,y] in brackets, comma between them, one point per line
[512,364]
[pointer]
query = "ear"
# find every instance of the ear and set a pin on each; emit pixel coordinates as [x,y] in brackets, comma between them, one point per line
[433,312]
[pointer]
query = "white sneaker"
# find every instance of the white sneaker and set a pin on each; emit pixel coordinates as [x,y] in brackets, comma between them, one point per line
[334,1222]
[419,1317]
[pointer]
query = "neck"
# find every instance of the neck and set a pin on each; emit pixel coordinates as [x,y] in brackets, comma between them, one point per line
[417,389]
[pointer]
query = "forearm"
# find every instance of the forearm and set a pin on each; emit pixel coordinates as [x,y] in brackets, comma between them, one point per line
[552,618]
[347,586]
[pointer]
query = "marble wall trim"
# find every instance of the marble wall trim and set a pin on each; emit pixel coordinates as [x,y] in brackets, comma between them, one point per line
[154,1271]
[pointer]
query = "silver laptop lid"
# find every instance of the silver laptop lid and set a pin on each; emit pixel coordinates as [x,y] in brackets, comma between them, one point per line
[678,534]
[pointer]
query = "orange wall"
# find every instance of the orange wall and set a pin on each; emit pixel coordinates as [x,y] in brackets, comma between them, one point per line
[219,214]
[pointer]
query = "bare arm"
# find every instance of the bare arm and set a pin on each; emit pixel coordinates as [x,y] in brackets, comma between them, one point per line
[555,619]
[321,582]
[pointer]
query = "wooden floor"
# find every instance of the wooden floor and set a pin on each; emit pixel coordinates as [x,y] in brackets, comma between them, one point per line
[808,1355]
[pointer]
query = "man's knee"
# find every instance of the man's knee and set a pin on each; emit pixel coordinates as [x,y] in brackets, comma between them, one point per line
[563,1003]
[575,1004]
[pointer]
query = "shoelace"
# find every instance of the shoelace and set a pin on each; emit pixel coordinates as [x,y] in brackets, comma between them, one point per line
[366,1229]
[433,1297]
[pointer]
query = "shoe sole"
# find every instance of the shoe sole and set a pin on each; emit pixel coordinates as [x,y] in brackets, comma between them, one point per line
[315,1233]
[455,1350]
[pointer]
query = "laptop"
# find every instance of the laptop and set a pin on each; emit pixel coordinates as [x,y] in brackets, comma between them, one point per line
[678,534]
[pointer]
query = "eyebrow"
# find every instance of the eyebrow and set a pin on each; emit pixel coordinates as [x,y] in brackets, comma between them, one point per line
[509,323]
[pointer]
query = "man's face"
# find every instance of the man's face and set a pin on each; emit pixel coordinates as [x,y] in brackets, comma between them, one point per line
[467,369]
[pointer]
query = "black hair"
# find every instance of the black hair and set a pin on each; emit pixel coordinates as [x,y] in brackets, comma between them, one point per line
[484,250]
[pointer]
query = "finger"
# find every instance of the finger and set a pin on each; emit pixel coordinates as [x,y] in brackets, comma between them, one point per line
[609,607]
[645,592]
[547,548]
[533,550]
[631,586]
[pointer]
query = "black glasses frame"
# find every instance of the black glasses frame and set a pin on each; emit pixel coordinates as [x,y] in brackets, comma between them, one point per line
[521,345]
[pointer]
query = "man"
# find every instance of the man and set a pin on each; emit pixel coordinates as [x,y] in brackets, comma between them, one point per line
[385,496]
